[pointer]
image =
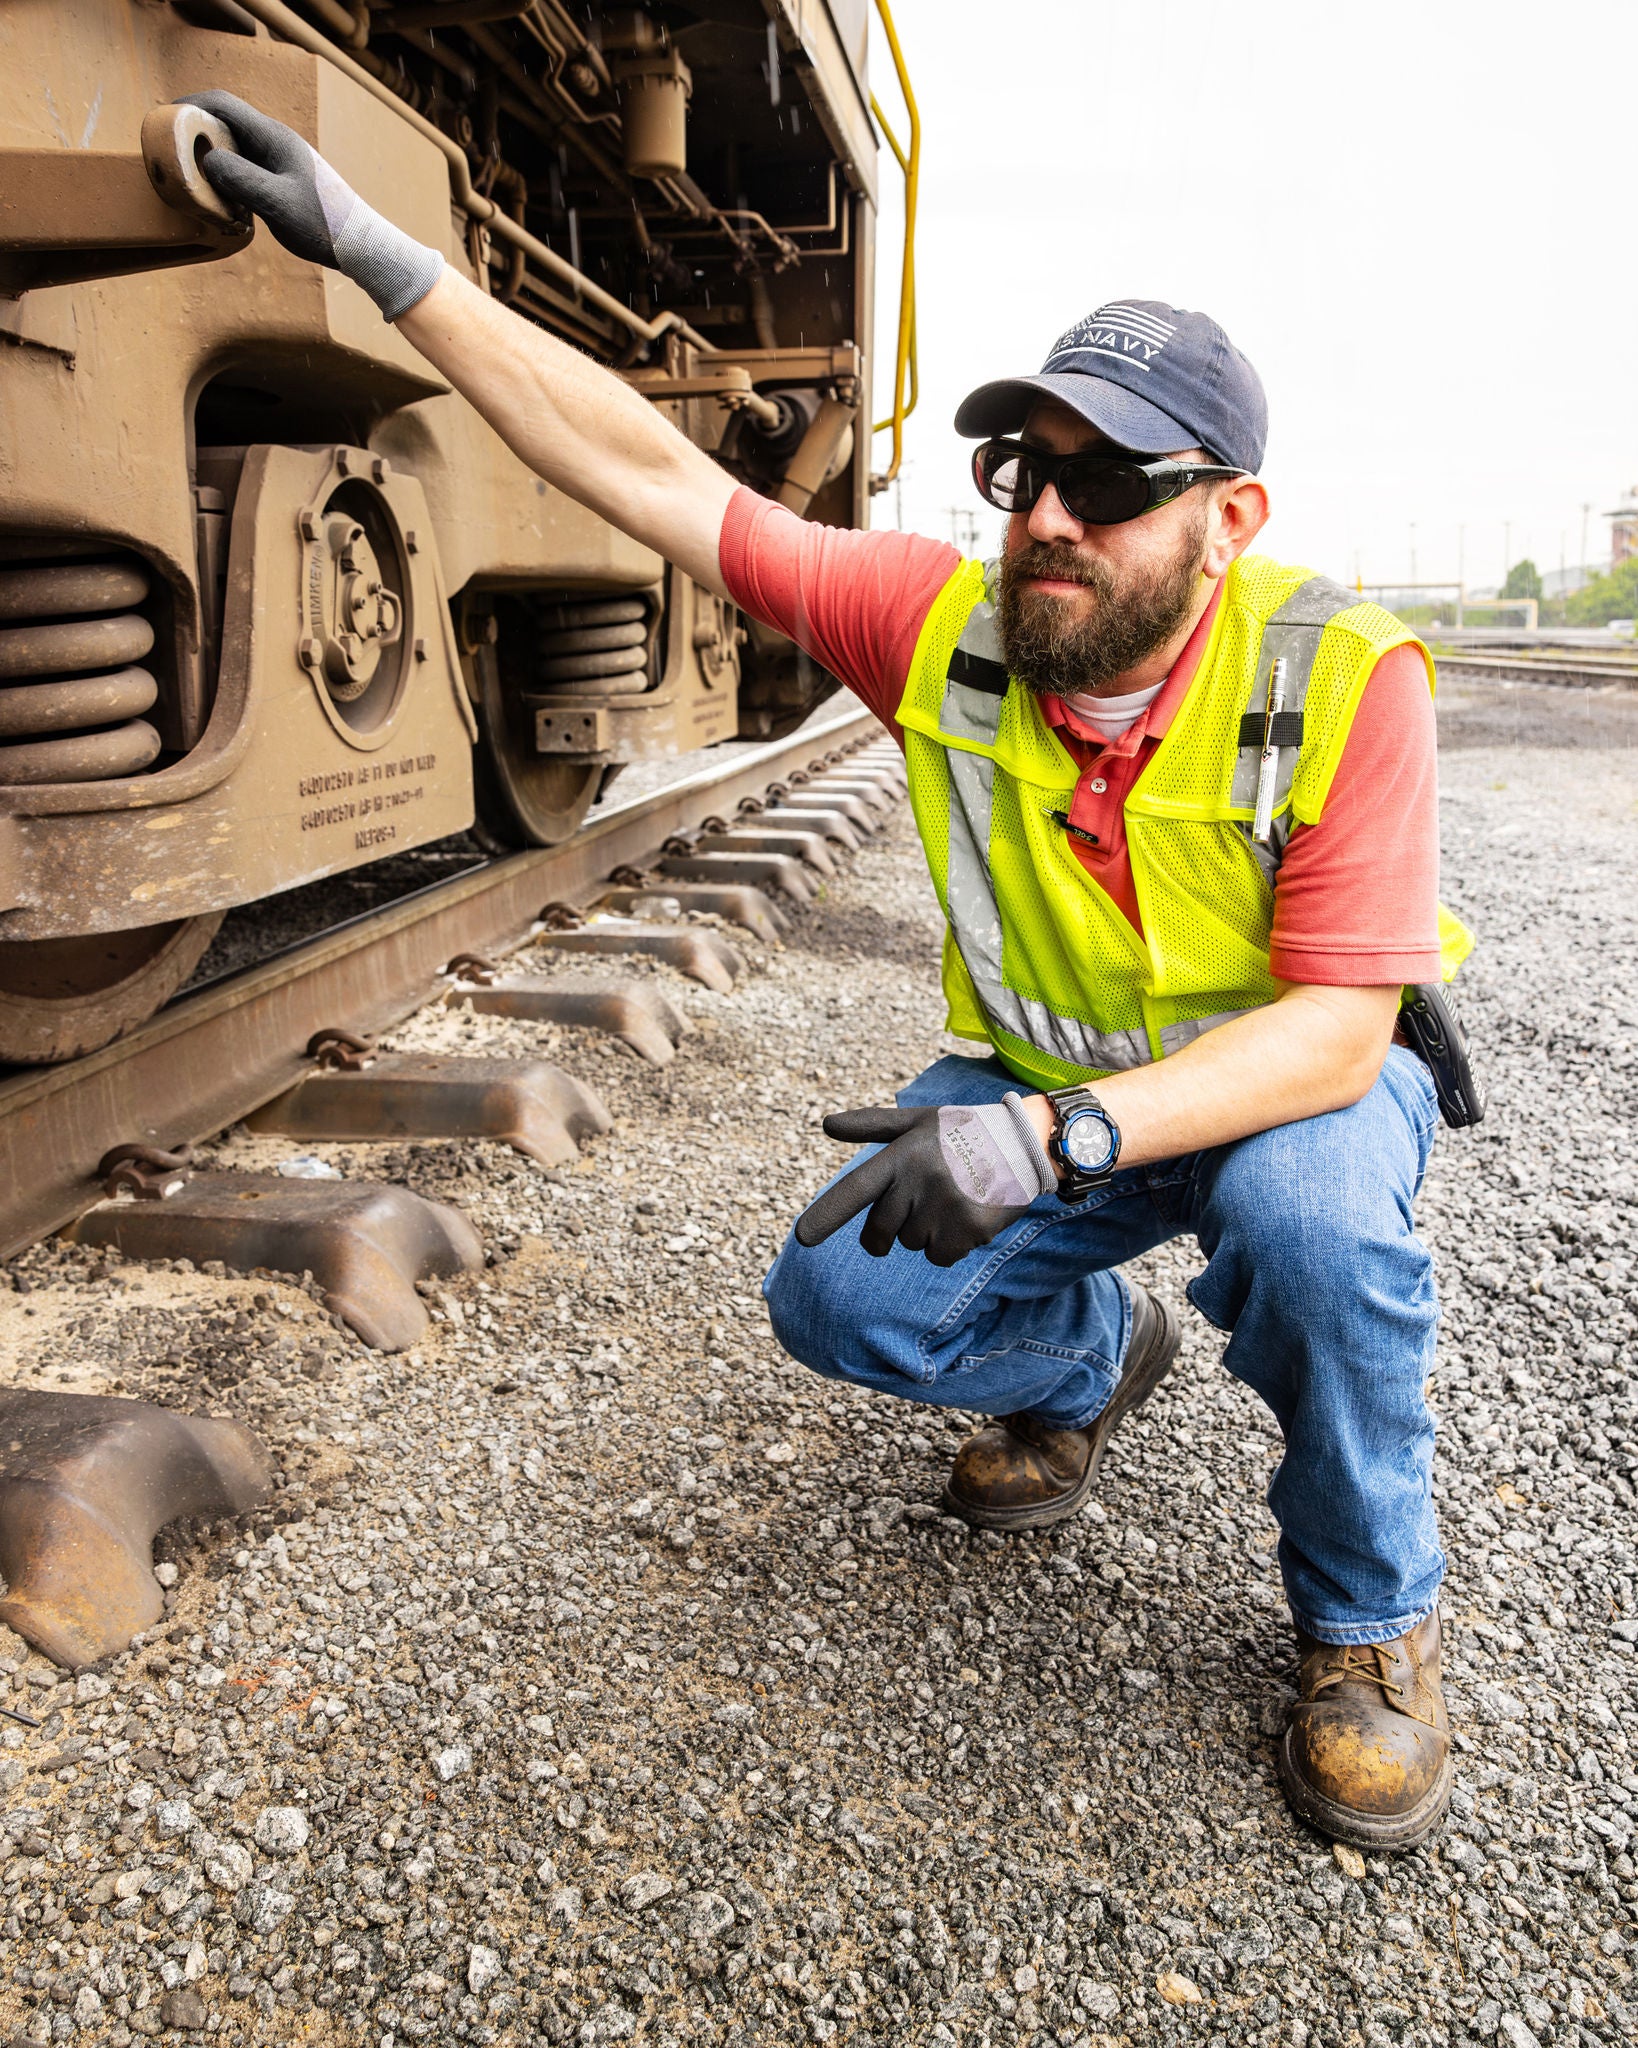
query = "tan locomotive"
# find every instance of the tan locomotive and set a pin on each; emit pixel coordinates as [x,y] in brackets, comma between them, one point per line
[275,602]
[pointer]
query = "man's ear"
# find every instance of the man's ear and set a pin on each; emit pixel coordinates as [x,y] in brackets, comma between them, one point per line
[1238,516]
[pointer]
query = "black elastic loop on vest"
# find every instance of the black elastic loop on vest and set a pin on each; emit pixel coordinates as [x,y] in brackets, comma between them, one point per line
[978,672]
[1283,730]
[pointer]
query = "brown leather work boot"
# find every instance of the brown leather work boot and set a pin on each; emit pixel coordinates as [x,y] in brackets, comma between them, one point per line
[1367,1756]
[1019,1474]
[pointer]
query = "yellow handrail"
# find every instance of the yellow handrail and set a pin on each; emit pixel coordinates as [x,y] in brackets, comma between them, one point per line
[905,369]
[915,382]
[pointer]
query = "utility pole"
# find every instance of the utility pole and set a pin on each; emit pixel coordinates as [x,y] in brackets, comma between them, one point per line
[1581,567]
[963,529]
[1507,549]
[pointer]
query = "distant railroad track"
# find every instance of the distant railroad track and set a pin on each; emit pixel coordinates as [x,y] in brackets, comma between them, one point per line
[1561,671]
[213,1056]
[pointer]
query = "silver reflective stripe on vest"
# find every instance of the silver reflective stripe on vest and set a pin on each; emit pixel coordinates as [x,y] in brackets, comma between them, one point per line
[1173,1037]
[968,713]
[974,915]
[1291,634]
[1069,1040]
[975,922]
[1270,852]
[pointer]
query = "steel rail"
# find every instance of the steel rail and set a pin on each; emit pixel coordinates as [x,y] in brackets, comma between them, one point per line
[1561,672]
[211,1057]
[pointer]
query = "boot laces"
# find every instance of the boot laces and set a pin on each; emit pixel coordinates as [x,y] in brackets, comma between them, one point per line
[1367,1661]
[1370,1661]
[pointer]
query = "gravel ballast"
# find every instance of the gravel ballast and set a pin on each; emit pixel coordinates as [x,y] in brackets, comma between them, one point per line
[597,1674]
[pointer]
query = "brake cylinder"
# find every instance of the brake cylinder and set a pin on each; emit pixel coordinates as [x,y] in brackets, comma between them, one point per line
[655,85]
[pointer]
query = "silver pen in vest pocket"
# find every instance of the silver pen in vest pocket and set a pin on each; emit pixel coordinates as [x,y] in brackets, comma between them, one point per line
[1262,822]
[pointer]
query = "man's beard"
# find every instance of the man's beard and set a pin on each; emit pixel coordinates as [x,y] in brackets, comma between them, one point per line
[1062,647]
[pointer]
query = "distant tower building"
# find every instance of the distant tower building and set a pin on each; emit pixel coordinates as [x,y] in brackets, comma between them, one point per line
[1624,529]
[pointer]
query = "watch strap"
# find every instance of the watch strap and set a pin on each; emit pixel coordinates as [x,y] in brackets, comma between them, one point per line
[1077,1181]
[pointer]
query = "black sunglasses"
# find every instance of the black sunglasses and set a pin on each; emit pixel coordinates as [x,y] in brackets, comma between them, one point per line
[1097,489]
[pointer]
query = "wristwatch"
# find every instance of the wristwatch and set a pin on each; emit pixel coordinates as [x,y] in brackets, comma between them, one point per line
[1085,1142]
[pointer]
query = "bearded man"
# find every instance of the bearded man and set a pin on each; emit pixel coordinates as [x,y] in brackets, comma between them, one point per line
[1179,804]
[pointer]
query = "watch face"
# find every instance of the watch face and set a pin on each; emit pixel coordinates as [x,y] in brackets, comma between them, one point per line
[1087,1142]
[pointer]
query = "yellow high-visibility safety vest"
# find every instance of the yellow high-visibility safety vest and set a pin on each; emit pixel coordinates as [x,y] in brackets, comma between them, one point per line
[1038,960]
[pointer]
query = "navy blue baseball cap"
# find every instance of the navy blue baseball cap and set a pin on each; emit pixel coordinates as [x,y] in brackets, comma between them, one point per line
[1154,378]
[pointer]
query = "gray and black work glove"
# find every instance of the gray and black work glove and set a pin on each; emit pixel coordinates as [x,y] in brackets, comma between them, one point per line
[946,1181]
[312,210]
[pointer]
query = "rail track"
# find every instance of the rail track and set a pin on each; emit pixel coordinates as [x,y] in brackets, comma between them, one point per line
[1560,669]
[218,1054]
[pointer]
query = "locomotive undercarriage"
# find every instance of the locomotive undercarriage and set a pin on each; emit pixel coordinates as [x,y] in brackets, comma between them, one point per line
[273,601]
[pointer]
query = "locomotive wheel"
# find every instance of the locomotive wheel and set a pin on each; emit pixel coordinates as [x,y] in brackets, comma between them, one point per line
[63,997]
[523,798]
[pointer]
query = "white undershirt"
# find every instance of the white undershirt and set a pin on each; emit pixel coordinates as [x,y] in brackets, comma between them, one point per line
[1110,717]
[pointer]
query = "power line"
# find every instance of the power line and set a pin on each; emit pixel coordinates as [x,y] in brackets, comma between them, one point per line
[964,529]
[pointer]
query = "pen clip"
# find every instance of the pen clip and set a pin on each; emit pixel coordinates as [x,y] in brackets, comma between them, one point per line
[1268,768]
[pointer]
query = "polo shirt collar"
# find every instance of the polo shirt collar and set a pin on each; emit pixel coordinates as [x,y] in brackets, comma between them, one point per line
[1157,720]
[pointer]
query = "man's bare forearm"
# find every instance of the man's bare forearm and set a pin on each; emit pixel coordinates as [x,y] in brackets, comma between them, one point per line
[576,424]
[1316,1049]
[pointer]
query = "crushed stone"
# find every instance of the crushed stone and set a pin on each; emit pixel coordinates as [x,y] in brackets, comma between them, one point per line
[597,1674]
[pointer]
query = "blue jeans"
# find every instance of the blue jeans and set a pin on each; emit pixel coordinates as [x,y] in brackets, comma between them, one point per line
[1313,1268]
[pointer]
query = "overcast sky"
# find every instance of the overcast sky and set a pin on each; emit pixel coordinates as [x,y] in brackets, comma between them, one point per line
[1415,219]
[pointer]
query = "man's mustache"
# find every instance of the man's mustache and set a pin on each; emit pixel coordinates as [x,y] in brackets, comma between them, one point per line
[1058,565]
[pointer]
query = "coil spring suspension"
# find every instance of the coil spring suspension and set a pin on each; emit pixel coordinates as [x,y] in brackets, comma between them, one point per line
[595,647]
[71,697]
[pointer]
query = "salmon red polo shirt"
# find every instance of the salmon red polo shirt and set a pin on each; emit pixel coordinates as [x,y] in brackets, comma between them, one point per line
[1355,903]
